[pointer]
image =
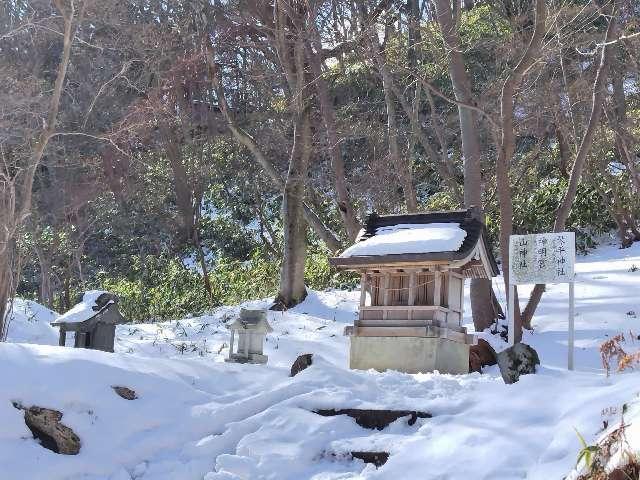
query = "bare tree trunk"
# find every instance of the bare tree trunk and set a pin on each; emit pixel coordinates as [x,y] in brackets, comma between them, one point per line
[414,37]
[442,165]
[11,190]
[399,163]
[345,206]
[292,289]
[200,251]
[508,145]
[597,106]
[402,166]
[482,308]
[45,294]
[564,151]
[181,187]
[77,257]
[6,289]
[620,124]
[243,138]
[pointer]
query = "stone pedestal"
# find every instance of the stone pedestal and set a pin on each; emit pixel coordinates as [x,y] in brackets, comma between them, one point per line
[409,354]
[250,358]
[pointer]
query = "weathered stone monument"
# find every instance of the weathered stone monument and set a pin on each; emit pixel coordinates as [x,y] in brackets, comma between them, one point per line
[93,320]
[413,269]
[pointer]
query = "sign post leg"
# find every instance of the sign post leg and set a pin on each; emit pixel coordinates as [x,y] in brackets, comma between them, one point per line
[571,327]
[511,314]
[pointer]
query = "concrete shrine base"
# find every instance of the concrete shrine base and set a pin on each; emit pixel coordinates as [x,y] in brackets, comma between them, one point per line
[409,354]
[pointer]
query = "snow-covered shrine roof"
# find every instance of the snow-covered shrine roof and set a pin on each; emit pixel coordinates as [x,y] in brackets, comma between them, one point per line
[88,308]
[421,238]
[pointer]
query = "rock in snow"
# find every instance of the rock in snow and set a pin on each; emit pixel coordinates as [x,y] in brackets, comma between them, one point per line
[375,419]
[125,392]
[302,362]
[521,359]
[45,425]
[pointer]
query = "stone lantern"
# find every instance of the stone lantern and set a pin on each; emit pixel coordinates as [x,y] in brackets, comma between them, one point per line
[250,329]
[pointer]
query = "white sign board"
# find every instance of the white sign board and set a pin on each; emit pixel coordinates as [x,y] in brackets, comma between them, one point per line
[542,258]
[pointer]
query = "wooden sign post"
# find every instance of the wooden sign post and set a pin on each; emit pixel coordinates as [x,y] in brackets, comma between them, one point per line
[542,258]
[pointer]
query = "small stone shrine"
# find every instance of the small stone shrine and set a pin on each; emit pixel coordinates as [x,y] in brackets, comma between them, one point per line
[93,320]
[413,269]
[250,329]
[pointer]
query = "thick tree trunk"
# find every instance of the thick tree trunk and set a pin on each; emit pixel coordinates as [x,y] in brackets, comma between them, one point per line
[292,288]
[481,297]
[291,51]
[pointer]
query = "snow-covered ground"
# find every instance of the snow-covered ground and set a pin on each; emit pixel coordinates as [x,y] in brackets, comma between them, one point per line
[197,417]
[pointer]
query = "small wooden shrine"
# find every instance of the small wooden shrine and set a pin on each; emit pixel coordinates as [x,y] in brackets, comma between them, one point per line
[93,320]
[250,329]
[413,269]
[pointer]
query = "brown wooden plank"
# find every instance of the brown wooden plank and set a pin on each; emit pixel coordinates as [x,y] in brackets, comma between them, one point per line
[412,289]
[363,289]
[437,289]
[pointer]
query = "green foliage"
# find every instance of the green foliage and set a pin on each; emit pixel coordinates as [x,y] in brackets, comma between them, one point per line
[161,288]
[587,452]
[482,31]
[157,288]
[319,275]
[442,201]
[482,23]
[234,281]
[535,211]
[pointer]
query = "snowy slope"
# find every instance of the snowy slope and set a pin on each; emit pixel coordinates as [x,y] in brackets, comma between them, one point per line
[29,322]
[198,417]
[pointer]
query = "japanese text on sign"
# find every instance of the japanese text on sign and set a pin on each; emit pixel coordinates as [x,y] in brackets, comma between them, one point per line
[542,258]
